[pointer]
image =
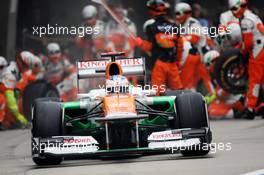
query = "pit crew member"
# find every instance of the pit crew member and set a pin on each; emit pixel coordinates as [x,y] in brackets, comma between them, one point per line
[60,72]
[253,44]
[93,43]
[163,47]
[10,76]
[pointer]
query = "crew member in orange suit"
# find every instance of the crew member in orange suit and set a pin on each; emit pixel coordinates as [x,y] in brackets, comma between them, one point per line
[253,44]
[163,47]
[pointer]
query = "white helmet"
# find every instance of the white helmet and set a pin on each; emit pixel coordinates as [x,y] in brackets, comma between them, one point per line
[210,57]
[236,3]
[37,62]
[182,7]
[147,23]
[27,58]
[3,61]
[234,33]
[53,48]
[89,11]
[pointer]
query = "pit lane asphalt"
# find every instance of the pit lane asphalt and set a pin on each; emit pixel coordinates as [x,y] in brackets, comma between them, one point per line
[246,138]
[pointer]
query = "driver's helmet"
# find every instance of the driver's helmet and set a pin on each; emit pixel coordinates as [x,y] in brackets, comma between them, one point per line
[117,84]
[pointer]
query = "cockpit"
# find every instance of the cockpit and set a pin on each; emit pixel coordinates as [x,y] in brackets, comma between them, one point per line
[117,84]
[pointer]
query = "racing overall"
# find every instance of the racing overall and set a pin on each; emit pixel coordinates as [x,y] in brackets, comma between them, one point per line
[9,79]
[196,35]
[192,69]
[165,48]
[89,43]
[253,44]
[62,75]
[119,40]
[226,18]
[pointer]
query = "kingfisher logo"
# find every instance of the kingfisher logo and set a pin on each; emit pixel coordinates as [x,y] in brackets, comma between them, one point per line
[103,63]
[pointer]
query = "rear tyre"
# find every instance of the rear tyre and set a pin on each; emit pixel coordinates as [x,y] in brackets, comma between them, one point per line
[47,122]
[36,90]
[192,113]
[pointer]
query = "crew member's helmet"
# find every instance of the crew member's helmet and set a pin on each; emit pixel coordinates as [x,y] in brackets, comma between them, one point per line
[157,7]
[210,57]
[25,60]
[237,7]
[37,65]
[54,52]
[89,12]
[182,12]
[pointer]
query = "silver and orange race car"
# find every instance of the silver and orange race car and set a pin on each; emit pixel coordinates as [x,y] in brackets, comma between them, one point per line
[118,118]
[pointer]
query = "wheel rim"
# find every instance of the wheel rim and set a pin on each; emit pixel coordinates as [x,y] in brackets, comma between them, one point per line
[236,75]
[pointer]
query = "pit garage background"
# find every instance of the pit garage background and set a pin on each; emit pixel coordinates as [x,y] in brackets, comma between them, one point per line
[17,17]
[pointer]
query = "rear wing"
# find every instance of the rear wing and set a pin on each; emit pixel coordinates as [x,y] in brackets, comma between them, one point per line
[91,73]
[96,68]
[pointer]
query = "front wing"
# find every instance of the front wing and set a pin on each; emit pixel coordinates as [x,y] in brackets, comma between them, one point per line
[170,141]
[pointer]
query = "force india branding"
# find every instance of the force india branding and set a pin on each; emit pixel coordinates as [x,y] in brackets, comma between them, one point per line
[80,140]
[99,64]
[70,145]
[165,135]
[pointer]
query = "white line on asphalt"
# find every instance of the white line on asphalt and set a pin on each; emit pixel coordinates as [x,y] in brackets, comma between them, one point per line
[258,172]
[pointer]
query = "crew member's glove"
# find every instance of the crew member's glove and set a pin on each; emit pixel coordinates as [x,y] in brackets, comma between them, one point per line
[210,98]
[21,118]
[138,41]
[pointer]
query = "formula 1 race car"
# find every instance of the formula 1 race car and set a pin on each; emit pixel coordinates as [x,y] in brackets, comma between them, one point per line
[119,119]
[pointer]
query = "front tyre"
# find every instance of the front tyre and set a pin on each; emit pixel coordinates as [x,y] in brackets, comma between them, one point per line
[47,122]
[191,113]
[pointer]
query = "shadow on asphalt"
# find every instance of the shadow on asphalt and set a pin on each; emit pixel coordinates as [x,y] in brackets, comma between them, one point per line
[120,160]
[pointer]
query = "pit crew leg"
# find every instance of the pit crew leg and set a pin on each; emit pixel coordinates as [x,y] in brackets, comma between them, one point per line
[256,74]
[158,75]
[68,88]
[174,79]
